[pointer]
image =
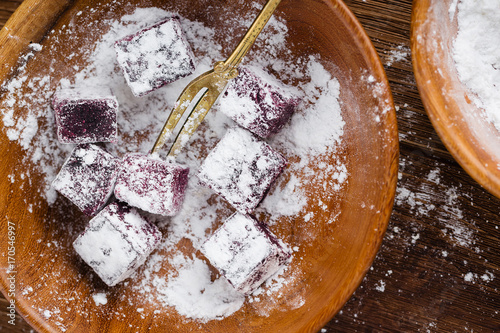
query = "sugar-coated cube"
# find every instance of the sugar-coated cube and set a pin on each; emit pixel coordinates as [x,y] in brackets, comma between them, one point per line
[116,242]
[155,56]
[85,115]
[258,102]
[151,184]
[241,168]
[245,252]
[87,177]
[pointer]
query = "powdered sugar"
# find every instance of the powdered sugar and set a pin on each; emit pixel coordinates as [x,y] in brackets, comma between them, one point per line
[288,201]
[430,198]
[23,129]
[100,298]
[380,286]
[190,290]
[477,55]
[314,131]
[397,54]
[474,277]
[313,134]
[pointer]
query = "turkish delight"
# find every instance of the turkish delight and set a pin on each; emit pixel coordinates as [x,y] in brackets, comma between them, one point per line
[151,184]
[241,168]
[87,177]
[258,102]
[116,242]
[245,252]
[155,56]
[85,116]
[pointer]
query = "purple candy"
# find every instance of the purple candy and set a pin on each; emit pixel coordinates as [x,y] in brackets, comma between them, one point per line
[87,177]
[241,168]
[83,116]
[116,242]
[258,102]
[245,252]
[155,56]
[151,184]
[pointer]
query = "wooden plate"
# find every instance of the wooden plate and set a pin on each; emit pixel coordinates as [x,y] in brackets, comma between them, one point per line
[53,290]
[472,140]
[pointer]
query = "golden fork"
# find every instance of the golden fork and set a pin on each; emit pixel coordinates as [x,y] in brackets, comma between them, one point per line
[208,86]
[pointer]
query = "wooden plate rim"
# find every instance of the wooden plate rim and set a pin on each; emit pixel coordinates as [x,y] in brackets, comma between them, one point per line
[464,148]
[38,9]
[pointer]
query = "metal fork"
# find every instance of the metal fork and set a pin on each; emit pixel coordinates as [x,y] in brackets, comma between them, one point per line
[208,86]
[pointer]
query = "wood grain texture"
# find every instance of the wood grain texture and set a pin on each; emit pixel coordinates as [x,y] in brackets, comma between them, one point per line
[27,25]
[418,280]
[7,8]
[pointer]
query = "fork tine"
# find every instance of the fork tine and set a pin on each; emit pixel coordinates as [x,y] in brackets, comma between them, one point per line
[180,107]
[214,81]
[193,121]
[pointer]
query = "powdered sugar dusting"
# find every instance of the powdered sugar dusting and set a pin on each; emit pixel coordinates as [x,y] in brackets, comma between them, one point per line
[426,200]
[190,290]
[477,55]
[100,298]
[398,54]
[313,135]
[315,131]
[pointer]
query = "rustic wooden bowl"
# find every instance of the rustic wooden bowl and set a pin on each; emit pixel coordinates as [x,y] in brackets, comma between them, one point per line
[53,288]
[472,140]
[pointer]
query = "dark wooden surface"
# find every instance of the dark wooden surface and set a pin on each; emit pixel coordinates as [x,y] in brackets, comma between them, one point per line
[438,269]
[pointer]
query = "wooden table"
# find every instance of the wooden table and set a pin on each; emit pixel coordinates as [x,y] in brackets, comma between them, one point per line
[439,266]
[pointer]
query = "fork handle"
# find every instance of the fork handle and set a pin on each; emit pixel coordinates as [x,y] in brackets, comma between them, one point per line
[247,41]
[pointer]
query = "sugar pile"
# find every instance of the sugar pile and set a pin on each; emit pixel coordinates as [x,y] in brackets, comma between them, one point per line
[315,131]
[477,55]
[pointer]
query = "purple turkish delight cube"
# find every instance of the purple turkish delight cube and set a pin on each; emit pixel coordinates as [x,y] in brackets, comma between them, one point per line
[258,102]
[151,184]
[87,177]
[241,168]
[85,116]
[116,242]
[155,56]
[245,252]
